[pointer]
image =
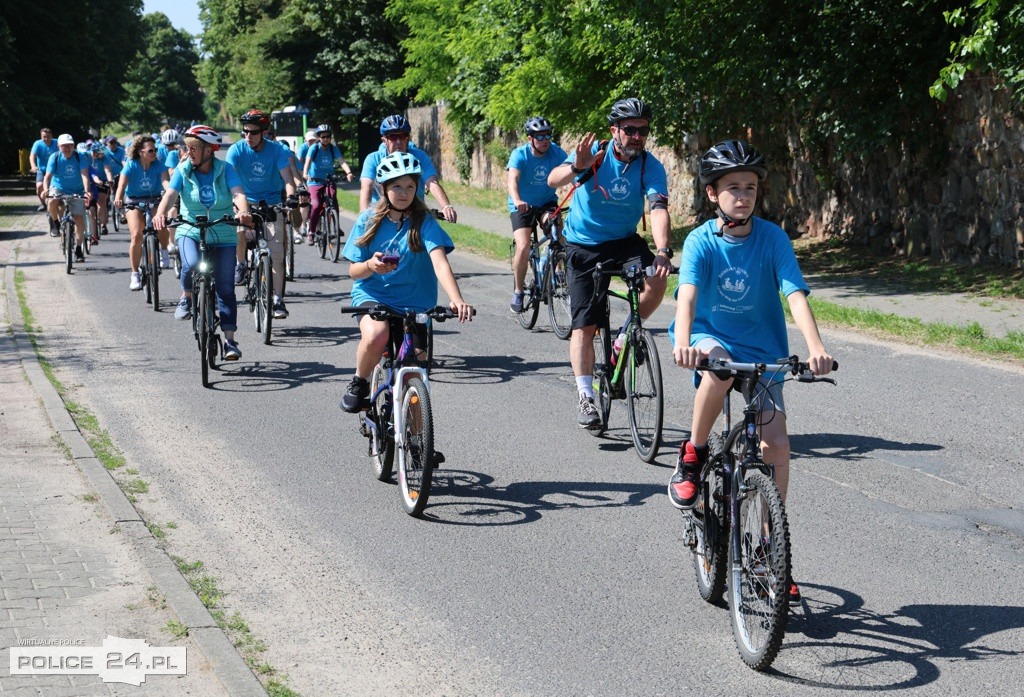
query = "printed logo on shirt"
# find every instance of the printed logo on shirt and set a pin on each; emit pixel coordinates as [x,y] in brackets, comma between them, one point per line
[145,183]
[734,284]
[258,170]
[619,188]
[69,169]
[206,195]
[540,174]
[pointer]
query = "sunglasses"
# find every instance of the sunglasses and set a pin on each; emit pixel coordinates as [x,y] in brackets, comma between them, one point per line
[247,132]
[541,136]
[642,131]
[328,136]
[148,150]
[401,135]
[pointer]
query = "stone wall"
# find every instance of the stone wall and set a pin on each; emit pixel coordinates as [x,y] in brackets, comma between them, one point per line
[967,210]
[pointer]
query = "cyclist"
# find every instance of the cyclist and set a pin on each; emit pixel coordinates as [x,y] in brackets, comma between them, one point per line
[319,164]
[100,172]
[601,228]
[399,225]
[301,186]
[141,181]
[169,140]
[207,186]
[528,193]
[394,132]
[730,275]
[118,153]
[261,165]
[38,156]
[68,171]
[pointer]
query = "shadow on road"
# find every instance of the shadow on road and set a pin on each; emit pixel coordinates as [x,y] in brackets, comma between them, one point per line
[834,641]
[849,446]
[273,376]
[485,369]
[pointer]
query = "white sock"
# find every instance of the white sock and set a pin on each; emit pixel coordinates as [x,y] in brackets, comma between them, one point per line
[585,385]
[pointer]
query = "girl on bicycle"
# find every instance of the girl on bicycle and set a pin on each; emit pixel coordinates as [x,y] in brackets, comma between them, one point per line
[207,186]
[398,254]
[319,164]
[141,181]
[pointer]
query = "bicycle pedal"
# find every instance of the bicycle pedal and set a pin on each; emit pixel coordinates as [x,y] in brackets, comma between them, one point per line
[438,457]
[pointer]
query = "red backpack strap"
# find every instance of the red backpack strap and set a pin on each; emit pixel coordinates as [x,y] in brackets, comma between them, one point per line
[583,178]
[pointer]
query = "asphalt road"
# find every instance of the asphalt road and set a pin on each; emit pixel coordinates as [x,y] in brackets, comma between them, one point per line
[549,561]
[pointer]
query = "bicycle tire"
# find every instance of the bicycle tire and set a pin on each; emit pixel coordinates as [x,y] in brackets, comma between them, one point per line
[201,326]
[383,445]
[531,299]
[176,262]
[430,346]
[710,525]
[602,381]
[416,456]
[154,270]
[87,238]
[144,272]
[645,401]
[334,235]
[69,245]
[115,214]
[264,297]
[558,297]
[321,236]
[289,252]
[760,573]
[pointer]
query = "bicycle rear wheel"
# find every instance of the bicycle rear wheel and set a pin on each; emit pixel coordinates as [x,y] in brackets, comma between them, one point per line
[709,523]
[264,298]
[334,234]
[602,380]
[115,215]
[531,299]
[760,572]
[154,269]
[383,443]
[644,398]
[90,229]
[558,297]
[289,252]
[416,456]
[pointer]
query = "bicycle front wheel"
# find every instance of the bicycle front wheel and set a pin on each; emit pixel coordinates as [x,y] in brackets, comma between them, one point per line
[644,399]
[69,245]
[264,298]
[201,326]
[289,252]
[382,447]
[710,529]
[760,572]
[416,456]
[333,235]
[115,214]
[558,297]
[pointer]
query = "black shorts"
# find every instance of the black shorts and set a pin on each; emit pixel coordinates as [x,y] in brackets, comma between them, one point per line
[396,327]
[531,216]
[580,262]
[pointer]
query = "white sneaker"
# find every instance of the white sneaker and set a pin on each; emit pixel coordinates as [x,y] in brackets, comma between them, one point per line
[297,239]
[165,259]
[136,283]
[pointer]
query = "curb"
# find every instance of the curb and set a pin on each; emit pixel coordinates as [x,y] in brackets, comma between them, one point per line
[226,663]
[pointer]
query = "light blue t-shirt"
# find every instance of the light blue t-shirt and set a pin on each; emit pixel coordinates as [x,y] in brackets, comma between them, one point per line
[321,160]
[100,163]
[205,191]
[609,205]
[143,183]
[533,174]
[161,152]
[119,156]
[260,172]
[173,158]
[738,282]
[43,151]
[411,286]
[67,173]
[369,170]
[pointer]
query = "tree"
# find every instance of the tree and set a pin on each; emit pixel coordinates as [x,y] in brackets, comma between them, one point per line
[990,37]
[161,83]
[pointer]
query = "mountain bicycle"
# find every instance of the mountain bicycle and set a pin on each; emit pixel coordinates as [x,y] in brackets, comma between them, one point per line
[283,211]
[205,319]
[259,286]
[400,417]
[738,531]
[149,269]
[67,228]
[328,232]
[545,278]
[629,368]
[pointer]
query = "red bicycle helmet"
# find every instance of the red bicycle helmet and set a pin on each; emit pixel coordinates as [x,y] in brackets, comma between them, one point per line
[256,117]
[206,134]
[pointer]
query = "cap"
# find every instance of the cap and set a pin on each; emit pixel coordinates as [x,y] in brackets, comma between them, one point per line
[65,139]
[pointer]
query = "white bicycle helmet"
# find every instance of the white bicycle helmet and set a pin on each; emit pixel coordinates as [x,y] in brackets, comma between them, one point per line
[207,135]
[398,164]
[170,137]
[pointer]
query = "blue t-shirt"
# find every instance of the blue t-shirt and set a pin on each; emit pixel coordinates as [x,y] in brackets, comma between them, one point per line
[260,172]
[143,183]
[738,282]
[67,173]
[321,160]
[173,158]
[203,194]
[411,286]
[43,151]
[612,211]
[100,163]
[369,170]
[533,174]
[119,156]
[161,152]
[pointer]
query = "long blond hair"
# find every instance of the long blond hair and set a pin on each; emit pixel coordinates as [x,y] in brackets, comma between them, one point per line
[131,152]
[417,213]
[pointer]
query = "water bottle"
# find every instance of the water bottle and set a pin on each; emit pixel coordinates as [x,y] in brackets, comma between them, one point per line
[540,265]
[617,345]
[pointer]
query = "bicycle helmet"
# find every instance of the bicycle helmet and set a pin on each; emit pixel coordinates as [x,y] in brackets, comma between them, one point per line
[169,137]
[98,147]
[207,135]
[255,117]
[395,122]
[537,124]
[82,148]
[629,108]
[323,128]
[398,164]
[731,156]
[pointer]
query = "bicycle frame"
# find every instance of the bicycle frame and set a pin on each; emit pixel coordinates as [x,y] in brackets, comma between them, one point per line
[405,357]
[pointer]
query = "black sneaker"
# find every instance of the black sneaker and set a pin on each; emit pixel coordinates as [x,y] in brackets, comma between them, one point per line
[79,254]
[54,228]
[589,417]
[357,396]
[105,231]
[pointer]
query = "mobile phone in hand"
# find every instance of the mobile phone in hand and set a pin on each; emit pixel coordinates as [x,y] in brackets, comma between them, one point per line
[390,259]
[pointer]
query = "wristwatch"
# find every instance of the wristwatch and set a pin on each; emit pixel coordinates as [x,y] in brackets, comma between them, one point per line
[577,170]
[667,251]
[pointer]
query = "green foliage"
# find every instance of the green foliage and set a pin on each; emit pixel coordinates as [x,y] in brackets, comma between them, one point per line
[990,38]
[160,85]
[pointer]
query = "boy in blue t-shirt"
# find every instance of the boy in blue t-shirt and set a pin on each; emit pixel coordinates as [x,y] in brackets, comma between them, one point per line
[730,275]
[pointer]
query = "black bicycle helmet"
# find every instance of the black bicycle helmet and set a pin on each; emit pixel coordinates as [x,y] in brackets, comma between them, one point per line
[731,156]
[537,124]
[395,122]
[629,108]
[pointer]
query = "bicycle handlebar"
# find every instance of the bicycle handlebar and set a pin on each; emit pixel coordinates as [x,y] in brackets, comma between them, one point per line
[201,223]
[383,312]
[792,365]
[140,206]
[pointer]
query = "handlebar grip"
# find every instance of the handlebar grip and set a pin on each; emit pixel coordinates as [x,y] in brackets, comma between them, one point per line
[835,365]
